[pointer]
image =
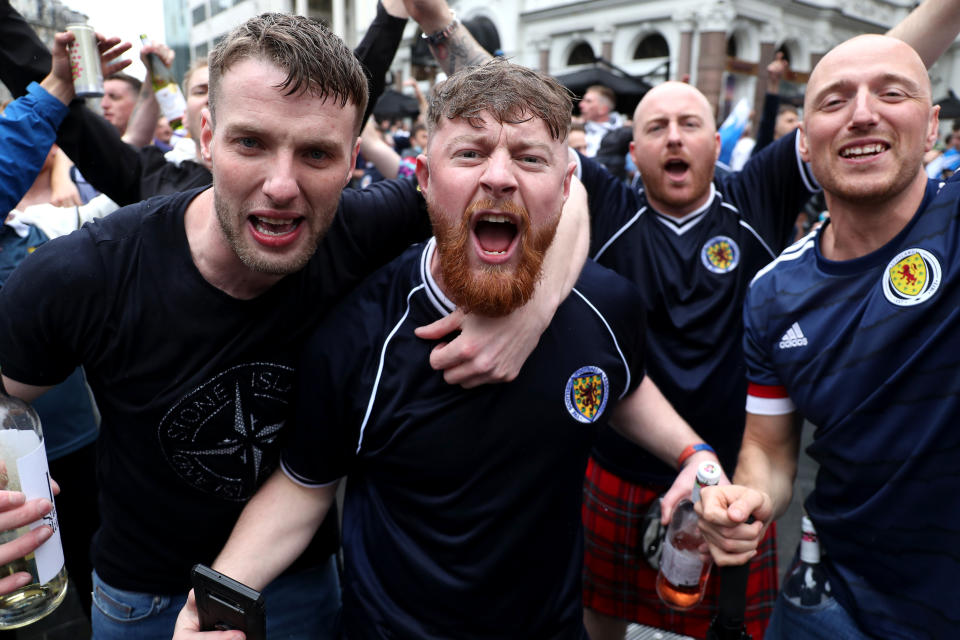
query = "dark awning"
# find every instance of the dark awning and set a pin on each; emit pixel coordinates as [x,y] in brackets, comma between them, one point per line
[949,106]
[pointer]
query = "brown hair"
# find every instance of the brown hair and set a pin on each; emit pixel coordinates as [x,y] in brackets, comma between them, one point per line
[511,92]
[198,64]
[315,60]
[604,92]
[132,82]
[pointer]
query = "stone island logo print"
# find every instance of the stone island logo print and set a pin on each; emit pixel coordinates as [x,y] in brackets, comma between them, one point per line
[586,394]
[912,277]
[720,254]
[223,437]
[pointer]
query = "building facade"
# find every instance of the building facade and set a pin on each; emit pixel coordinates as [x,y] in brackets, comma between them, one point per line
[721,46]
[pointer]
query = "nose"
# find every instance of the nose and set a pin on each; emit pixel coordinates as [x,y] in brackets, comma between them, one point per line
[280,183]
[498,177]
[673,133]
[864,109]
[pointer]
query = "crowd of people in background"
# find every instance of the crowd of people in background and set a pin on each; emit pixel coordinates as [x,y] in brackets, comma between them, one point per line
[513,320]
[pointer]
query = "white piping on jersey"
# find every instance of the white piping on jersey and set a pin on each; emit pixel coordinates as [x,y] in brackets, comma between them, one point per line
[746,225]
[612,337]
[803,168]
[684,223]
[383,355]
[793,252]
[687,222]
[619,232]
[439,301]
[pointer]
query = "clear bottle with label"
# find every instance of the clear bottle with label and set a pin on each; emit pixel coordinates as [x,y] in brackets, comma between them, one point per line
[165,87]
[23,467]
[806,583]
[683,574]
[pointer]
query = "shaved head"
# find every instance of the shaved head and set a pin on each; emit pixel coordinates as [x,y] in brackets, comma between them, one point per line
[861,52]
[867,122]
[663,95]
[675,145]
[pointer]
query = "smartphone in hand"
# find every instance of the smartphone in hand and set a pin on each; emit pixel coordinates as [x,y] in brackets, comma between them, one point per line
[223,603]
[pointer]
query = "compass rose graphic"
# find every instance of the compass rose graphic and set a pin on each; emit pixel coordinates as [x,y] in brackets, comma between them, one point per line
[222,438]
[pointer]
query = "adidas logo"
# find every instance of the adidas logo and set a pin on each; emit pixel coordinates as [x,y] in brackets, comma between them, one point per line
[793,338]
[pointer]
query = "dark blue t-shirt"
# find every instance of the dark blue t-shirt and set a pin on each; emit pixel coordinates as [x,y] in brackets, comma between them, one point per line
[462,511]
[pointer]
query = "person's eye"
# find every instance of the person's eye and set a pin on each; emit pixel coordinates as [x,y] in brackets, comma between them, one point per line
[317,154]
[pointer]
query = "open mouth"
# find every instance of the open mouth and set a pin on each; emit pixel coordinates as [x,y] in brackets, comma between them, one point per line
[495,233]
[676,168]
[857,152]
[275,226]
[274,232]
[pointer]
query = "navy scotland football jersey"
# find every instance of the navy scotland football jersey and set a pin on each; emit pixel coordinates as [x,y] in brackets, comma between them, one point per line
[869,350]
[462,509]
[693,274]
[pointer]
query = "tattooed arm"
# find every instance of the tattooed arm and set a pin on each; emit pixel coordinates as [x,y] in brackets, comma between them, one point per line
[458,49]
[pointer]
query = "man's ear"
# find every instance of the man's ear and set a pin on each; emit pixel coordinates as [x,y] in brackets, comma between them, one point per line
[934,128]
[571,169]
[802,143]
[206,133]
[423,173]
[353,163]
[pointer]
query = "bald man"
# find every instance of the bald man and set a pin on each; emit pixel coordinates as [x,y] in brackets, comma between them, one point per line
[856,328]
[691,241]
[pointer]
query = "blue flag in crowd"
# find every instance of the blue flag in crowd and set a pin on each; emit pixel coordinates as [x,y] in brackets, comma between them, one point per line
[732,129]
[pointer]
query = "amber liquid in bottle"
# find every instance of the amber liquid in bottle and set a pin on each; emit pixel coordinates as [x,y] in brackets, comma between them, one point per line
[683,574]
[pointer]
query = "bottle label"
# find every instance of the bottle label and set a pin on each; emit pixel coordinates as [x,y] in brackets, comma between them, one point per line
[171,102]
[681,568]
[35,483]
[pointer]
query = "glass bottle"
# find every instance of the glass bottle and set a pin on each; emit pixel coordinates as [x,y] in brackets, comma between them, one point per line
[683,574]
[23,467]
[169,96]
[806,583]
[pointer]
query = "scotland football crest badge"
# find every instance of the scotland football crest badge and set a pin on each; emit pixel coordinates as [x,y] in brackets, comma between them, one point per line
[720,254]
[586,394]
[912,277]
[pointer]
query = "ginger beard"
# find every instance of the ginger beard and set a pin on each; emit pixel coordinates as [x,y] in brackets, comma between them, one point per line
[491,290]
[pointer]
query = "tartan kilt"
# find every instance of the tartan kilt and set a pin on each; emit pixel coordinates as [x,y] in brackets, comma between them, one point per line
[618,581]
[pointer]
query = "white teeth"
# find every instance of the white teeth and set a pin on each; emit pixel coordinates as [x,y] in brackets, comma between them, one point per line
[491,217]
[288,225]
[868,149]
[493,253]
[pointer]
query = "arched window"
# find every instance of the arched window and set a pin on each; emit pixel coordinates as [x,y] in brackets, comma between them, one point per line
[581,54]
[732,46]
[652,46]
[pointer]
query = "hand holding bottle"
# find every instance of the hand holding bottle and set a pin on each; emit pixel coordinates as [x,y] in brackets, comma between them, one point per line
[157,58]
[733,520]
[15,512]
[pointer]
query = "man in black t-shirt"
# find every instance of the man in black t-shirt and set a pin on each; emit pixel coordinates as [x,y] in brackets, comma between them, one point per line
[188,313]
[462,514]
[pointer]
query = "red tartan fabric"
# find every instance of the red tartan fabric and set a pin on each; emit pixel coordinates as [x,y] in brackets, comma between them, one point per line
[618,582]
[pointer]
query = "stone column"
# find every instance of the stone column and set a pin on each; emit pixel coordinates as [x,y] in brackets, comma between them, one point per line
[685,25]
[710,66]
[714,21]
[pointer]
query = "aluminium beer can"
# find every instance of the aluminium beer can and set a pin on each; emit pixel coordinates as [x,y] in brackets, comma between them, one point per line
[85,62]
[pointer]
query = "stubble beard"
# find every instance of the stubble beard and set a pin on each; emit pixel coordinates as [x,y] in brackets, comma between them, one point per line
[280,265]
[493,290]
[869,191]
